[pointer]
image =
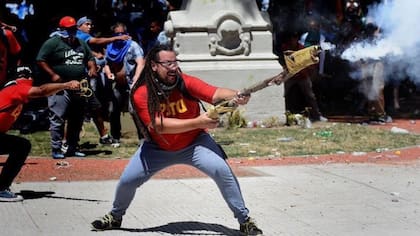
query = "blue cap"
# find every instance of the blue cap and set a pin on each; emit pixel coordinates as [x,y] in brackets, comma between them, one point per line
[83,20]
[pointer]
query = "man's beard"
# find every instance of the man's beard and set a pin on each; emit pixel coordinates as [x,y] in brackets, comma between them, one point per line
[166,86]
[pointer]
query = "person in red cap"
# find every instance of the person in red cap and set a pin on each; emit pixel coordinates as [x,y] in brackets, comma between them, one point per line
[12,97]
[64,57]
[67,22]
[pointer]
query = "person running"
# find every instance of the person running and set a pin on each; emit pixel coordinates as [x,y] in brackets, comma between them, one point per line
[13,95]
[175,133]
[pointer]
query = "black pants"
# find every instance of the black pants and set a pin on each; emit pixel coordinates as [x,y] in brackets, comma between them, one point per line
[119,104]
[18,149]
[305,86]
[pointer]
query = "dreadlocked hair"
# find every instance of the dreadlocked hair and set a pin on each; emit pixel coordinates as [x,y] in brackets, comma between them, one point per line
[154,91]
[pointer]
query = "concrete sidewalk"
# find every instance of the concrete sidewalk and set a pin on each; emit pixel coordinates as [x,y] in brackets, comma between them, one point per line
[331,199]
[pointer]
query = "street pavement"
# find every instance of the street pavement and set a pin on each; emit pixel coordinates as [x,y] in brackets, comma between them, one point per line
[322,199]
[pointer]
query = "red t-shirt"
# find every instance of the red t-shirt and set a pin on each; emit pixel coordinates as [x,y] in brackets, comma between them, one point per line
[178,106]
[12,98]
[11,48]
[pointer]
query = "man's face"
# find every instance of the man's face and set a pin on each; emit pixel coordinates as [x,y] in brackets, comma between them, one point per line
[72,31]
[313,25]
[119,30]
[155,27]
[86,27]
[352,7]
[166,68]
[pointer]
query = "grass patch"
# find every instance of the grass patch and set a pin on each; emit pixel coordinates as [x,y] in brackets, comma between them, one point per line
[322,138]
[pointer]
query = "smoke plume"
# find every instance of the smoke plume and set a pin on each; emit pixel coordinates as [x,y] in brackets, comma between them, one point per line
[399,43]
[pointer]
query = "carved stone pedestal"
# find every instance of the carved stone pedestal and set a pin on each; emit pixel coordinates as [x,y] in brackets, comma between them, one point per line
[228,43]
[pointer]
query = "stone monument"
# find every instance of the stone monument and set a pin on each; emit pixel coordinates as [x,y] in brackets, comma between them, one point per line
[228,43]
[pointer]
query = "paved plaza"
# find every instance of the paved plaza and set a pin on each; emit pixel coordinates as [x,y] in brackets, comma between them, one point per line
[321,199]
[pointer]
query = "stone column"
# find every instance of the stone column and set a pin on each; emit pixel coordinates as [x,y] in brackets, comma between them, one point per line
[228,43]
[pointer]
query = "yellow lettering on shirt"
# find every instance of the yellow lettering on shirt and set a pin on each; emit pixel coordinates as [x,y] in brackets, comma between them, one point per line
[16,112]
[173,108]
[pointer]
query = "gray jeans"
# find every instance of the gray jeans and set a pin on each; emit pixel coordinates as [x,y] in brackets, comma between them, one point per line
[65,106]
[204,154]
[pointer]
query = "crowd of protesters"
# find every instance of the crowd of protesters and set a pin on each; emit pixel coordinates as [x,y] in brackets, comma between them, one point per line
[110,57]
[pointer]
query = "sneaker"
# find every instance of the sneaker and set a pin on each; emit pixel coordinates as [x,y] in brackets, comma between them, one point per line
[106,139]
[64,147]
[75,154]
[319,119]
[116,143]
[323,119]
[74,151]
[58,154]
[380,120]
[249,227]
[8,196]
[388,119]
[106,222]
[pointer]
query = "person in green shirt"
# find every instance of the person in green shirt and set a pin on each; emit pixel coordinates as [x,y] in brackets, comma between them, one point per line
[64,57]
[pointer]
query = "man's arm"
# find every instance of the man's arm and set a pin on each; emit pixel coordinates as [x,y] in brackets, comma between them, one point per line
[175,126]
[203,121]
[103,40]
[140,65]
[44,65]
[52,88]
[225,94]
[91,65]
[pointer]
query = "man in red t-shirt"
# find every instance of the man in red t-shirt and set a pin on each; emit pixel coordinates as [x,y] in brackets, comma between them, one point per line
[13,95]
[9,49]
[166,107]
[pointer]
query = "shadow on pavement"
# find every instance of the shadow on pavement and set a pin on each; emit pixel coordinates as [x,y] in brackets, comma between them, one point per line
[87,149]
[189,228]
[97,152]
[29,194]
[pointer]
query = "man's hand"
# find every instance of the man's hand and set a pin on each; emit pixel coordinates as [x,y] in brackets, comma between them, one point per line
[55,78]
[241,99]
[92,72]
[123,37]
[206,122]
[72,85]
[49,89]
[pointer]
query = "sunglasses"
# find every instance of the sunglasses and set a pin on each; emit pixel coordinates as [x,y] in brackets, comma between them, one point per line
[168,64]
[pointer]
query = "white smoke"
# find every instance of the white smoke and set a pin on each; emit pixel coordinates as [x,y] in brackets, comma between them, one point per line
[399,43]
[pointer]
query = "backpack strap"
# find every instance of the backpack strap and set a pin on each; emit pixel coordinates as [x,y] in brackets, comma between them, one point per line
[141,127]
